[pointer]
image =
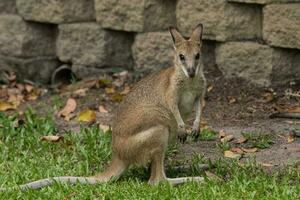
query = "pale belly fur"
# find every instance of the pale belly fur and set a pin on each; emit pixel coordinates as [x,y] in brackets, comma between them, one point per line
[186,104]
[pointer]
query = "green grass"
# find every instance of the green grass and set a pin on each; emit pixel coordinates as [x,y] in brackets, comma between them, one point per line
[208,135]
[258,139]
[25,158]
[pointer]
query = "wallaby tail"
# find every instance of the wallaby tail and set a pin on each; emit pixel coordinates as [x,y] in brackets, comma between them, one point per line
[291,115]
[114,170]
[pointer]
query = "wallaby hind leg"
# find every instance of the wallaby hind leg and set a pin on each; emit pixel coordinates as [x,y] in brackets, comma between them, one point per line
[157,168]
[113,171]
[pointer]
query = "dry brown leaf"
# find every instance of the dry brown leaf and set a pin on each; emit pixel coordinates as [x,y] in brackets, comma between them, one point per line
[4,106]
[210,88]
[297,149]
[230,154]
[237,150]
[222,133]
[240,140]
[69,108]
[110,90]
[290,139]
[268,97]
[81,92]
[15,99]
[87,116]
[250,150]
[28,88]
[126,90]
[212,176]
[231,100]
[52,138]
[104,128]
[102,109]
[227,138]
[33,94]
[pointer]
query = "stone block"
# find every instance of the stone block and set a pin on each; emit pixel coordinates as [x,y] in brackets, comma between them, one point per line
[263,1]
[281,25]
[8,7]
[136,15]
[222,20]
[259,64]
[90,44]
[54,11]
[37,69]
[21,38]
[154,50]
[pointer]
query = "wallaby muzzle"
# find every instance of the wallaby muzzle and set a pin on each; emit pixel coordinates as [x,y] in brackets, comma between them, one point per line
[191,72]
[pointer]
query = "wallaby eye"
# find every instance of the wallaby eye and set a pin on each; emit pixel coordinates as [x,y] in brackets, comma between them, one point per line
[181,56]
[197,56]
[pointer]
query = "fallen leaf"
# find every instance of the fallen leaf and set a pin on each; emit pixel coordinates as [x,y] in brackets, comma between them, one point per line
[251,150]
[102,109]
[104,128]
[69,116]
[297,149]
[87,116]
[81,92]
[210,88]
[290,139]
[117,97]
[69,108]
[33,94]
[231,100]
[267,165]
[222,133]
[126,90]
[212,176]
[240,140]
[230,154]
[28,88]
[268,97]
[227,138]
[15,99]
[4,106]
[110,90]
[102,83]
[52,138]
[237,150]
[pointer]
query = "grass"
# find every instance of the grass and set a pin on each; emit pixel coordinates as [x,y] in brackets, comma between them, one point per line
[208,135]
[258,139]
[25,158]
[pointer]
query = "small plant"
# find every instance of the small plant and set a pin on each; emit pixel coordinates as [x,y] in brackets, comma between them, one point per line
[57,101]
[207,135]
[258,139]
[223,146]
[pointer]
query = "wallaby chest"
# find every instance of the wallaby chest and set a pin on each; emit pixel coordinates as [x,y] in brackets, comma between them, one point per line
[188,93]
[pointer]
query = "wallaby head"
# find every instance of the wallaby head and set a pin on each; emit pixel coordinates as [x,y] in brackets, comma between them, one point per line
[188,51]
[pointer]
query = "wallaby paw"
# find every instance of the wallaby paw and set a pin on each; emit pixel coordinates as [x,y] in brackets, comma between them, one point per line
[195,133]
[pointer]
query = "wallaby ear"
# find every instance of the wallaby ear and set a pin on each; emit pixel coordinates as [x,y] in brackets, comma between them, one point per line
[197,33]
[176,36]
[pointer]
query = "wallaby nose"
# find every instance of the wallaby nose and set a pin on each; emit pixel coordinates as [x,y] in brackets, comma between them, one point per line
[191,72]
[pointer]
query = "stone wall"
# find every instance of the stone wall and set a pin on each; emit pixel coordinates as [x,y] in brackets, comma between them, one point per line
[257,40]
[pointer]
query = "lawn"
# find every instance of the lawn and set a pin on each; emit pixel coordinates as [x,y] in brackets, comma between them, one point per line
[24,157]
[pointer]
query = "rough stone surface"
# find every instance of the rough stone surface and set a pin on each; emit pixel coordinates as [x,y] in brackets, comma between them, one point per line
[8,7]
[154,50]
[263,1]
[21,38]
[38,69]
[53,11]
[82,71]
[256,63]
[286,66]
[135,15]
[89,44]
[281,25]
[222,20]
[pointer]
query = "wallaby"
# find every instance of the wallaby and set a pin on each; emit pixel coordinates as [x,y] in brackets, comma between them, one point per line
[152,115]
